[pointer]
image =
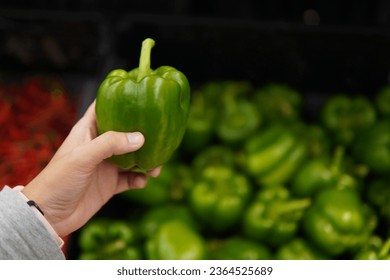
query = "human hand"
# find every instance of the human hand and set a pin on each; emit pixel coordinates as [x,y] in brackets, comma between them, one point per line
[78,181]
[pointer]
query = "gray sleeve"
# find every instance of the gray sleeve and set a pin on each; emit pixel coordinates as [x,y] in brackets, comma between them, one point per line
[22,235]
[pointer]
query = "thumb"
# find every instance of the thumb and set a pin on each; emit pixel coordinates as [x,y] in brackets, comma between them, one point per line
[109,144]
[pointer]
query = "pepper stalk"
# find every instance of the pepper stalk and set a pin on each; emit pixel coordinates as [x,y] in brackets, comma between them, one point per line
[144,59]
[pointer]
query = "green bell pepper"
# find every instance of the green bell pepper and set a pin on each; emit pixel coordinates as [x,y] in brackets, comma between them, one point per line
[318,173]
[154,102]
[279,103]
[219,197]
[175,240]
[375,249]
[338,221]
[214,155]
[157,216]
[273,155]
[239,118]
[104,239]
[299,249]
[238,248]
[345,117]
[273,216]
[373,147]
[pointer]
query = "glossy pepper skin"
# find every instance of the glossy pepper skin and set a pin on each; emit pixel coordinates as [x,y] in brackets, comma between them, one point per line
[345,117]
[373,147]
[271,156]
[238,248]
[104,239]
[338,221]
[174,240]
[154,102]
[274,216]
[219,197]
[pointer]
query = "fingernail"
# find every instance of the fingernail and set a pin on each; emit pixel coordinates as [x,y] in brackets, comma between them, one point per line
[139,181]
[134,138]
[155,172]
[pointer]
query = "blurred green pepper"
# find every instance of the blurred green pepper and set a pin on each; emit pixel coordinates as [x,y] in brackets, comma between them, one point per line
[105,239]
[317,174]
[299,249]
[239,118]
[214,155]
[175,240]
[279,103]
[155,217]
[219,197]
[373,147]
[345,117]
[274,216]
[238,248]
[338,221]
[273,155]
[374,249]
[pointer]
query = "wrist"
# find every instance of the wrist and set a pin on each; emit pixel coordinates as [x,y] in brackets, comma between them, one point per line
[40,216]
[33,192]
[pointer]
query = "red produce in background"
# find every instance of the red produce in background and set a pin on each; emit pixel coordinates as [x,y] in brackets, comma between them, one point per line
[35,117]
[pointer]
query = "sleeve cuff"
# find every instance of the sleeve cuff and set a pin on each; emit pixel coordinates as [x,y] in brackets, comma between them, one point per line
[49,228]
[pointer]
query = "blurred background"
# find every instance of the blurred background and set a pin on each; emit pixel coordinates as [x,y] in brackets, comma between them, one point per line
[289,59]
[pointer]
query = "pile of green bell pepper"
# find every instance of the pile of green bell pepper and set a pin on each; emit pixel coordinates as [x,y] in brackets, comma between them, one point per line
[255,176]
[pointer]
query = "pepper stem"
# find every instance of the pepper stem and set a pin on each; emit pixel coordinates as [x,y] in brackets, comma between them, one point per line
[144,59]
